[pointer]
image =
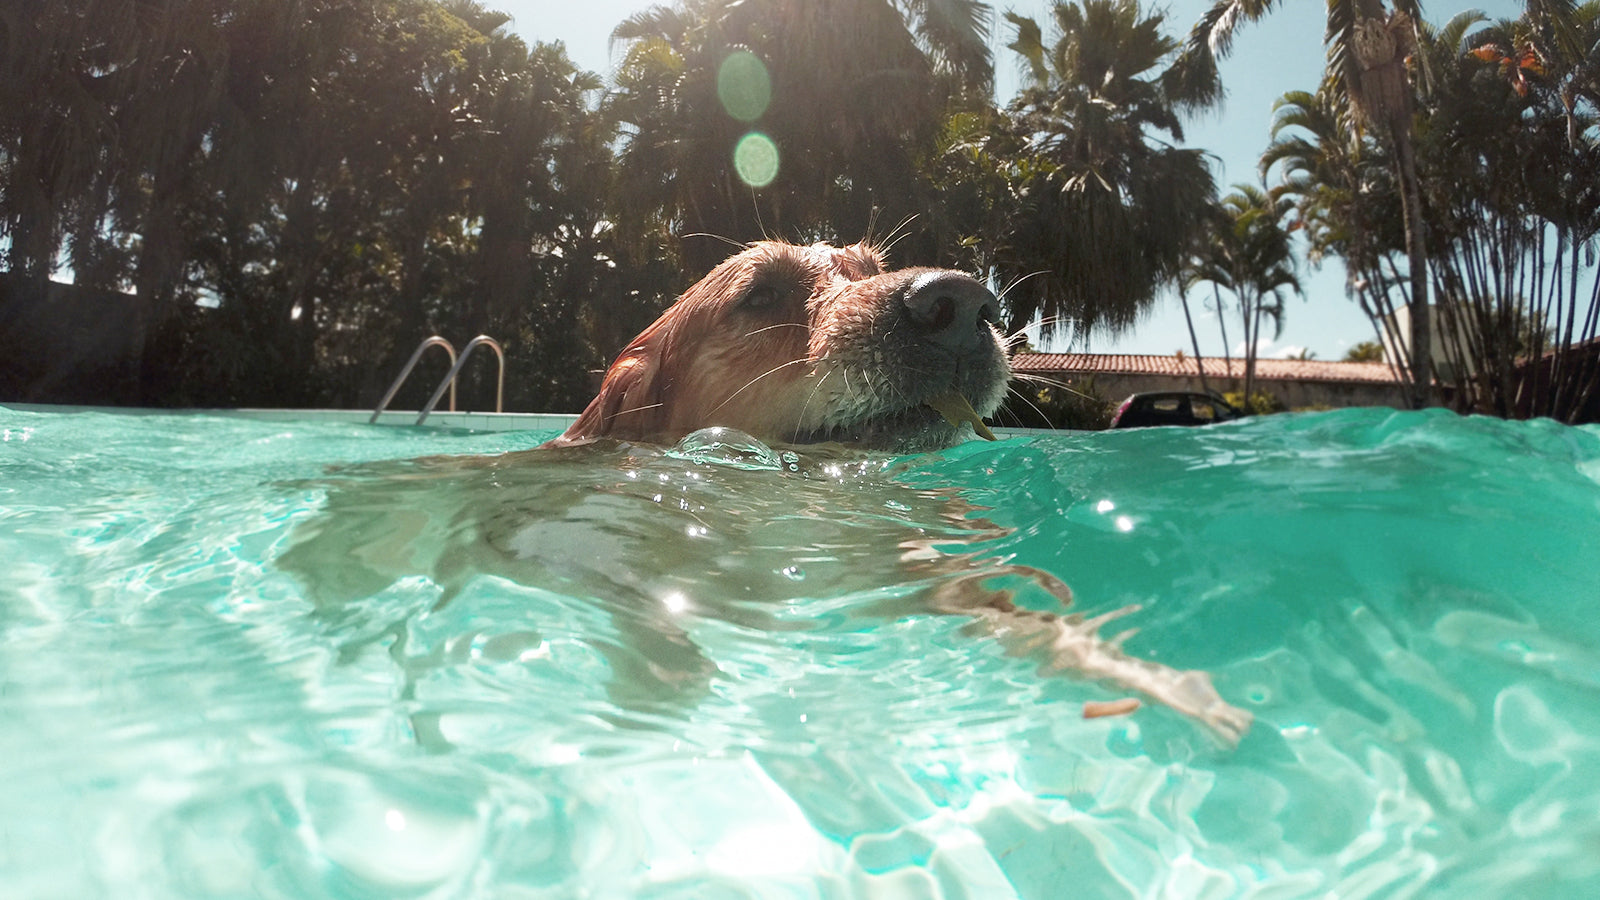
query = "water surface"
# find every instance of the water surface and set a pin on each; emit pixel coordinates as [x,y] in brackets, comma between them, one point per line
[255,659]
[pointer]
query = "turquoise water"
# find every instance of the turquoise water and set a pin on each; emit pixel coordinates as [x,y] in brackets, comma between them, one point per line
[249,659]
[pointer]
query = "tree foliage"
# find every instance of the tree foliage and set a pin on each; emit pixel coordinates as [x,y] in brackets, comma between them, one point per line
[1101,207]
[1369,44]
[1246,252]
[290,194]
[851,96]
[1507,145]
[297,191]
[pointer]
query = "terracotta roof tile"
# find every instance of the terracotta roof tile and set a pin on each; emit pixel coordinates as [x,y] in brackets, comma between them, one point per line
[1266,369]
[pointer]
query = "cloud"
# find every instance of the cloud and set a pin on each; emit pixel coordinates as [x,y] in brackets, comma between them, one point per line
[1266,349]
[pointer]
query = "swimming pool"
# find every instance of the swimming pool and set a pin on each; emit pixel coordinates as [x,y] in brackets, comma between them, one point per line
[245,658]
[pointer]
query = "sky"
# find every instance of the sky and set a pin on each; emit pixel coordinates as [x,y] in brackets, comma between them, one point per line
[1283,52]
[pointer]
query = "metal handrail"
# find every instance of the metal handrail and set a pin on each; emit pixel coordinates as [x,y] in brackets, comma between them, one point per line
[450,379]
[406,372]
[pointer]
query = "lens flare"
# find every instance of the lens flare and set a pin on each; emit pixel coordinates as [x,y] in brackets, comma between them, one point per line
[755,158]
[743,86]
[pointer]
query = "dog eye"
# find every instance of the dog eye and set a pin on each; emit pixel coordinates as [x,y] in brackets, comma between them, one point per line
[761,296]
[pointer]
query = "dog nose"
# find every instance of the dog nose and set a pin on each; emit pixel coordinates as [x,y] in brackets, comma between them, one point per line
[953,309]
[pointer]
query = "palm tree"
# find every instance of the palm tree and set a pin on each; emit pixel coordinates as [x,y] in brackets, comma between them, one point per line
[856,94]
[1525,212]
[1248,255]
[1194,340]
[1108,208]
[1367,49]
[1343,197]
[1322,162]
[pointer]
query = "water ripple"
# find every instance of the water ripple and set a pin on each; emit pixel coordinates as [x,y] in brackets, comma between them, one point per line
[433,671]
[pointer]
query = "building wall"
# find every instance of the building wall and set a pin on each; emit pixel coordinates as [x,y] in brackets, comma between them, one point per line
[1292,394]
[1449,324]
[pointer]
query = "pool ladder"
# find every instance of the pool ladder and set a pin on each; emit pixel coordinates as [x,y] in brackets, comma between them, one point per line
[449,379]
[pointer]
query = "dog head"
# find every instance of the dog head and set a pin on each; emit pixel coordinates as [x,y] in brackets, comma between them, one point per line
[808,344]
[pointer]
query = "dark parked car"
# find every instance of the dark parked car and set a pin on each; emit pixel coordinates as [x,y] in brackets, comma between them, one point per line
[1172,408]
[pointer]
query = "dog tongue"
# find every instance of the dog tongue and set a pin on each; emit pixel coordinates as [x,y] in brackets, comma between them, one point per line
[956,408]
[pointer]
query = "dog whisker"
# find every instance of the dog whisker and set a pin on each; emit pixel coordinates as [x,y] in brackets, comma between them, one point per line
[899,233]
[1051,382]
[1026,399]
[1021,334]
[779,325]
[796,361]
[1050,321]
[716,237]
[1018,280]
[811,395]
[637,409]
[872,227]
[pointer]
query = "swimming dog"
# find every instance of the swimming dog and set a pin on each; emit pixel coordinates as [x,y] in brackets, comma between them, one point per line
[780,344]
[807,344]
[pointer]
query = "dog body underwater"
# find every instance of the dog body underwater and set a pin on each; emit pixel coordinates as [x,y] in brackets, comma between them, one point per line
[815,349]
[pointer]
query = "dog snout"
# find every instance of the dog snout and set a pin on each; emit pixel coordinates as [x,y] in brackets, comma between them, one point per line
[953,309]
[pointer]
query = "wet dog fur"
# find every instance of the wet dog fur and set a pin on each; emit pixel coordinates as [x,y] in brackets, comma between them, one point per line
[805,344]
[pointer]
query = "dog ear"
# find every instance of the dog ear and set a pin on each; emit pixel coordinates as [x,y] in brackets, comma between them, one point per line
[629,405]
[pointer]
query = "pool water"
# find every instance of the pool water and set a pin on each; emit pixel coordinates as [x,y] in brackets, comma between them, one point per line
[253,659]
